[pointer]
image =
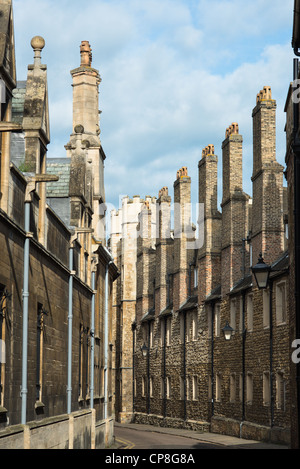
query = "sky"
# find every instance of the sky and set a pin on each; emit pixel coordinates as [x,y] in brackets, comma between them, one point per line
[175,74]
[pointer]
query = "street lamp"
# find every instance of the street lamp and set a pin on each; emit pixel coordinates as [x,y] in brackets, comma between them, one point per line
[227,330]
[261,272]
[144,350]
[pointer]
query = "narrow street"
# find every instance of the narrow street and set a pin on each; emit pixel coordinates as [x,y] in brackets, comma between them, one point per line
[136,437]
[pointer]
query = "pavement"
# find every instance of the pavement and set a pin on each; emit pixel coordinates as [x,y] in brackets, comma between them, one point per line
[205,437]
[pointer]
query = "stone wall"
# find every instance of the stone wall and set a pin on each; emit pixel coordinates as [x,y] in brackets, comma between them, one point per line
[75,431]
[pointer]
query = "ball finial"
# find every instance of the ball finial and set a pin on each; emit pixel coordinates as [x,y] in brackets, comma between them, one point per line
[37,43]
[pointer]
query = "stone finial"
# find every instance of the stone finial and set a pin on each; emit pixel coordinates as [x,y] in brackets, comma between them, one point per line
[232,129]
[264,94]
[85,54]
[37,44]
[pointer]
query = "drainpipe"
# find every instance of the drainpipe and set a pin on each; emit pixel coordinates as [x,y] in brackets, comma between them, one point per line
[271,351]
[243,353]
[106,341]
[164,366]
[184,367]
[25,296]
[133,366]
[212,358]
[70,325]
[92,332]
[148,370]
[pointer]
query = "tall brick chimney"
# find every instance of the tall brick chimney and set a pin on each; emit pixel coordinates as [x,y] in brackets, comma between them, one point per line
[267,179]
[209,255]
[182,236]
[164,244]
[145,265]
[234,209]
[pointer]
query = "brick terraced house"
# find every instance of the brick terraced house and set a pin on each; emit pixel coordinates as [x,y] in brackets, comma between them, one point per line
[193,282]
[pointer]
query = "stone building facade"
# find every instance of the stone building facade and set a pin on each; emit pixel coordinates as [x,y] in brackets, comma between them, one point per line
[292,159]
[56,272]
[191,281]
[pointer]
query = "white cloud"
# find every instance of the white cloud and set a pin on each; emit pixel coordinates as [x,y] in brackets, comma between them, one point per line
[174,74]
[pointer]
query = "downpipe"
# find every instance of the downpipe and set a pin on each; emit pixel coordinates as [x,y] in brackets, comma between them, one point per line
[92,332]
[25,296]
[106,342]
[70,325]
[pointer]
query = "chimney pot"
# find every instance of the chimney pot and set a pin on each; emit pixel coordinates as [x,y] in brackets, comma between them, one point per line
[86,54]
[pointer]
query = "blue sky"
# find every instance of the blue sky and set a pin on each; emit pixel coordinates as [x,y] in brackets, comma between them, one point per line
[175,74]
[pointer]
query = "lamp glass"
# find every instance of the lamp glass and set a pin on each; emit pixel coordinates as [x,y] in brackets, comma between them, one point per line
[144,349]
[262,278]
[227,330]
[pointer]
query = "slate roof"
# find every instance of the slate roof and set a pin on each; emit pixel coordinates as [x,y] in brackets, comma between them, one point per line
[60,167]
[241,285]
[167,311]
[190,303]
[281,265]
[215,295]
[149,316]
[18,101]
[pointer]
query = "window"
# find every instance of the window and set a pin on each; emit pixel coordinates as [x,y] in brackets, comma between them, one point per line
[233,311]
[3,317]
[266,308]
[266,389]
[188,388]
[168,383]
[280,391]
[80,362]
[181,388]
[217,320]
[194,326]
[232,387]
[39,351]
[209,388]
[208,309]
[249,388]
[97,365]
[169,331]
[250,312]
[182,319]
[241,380]
[188,327]
[143,386]
[145,333]
[195,277]
[218,387]
[151,326]
[195,387]
[281,303]
[151,386]
[162,332]
[241,325]
[162,388]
